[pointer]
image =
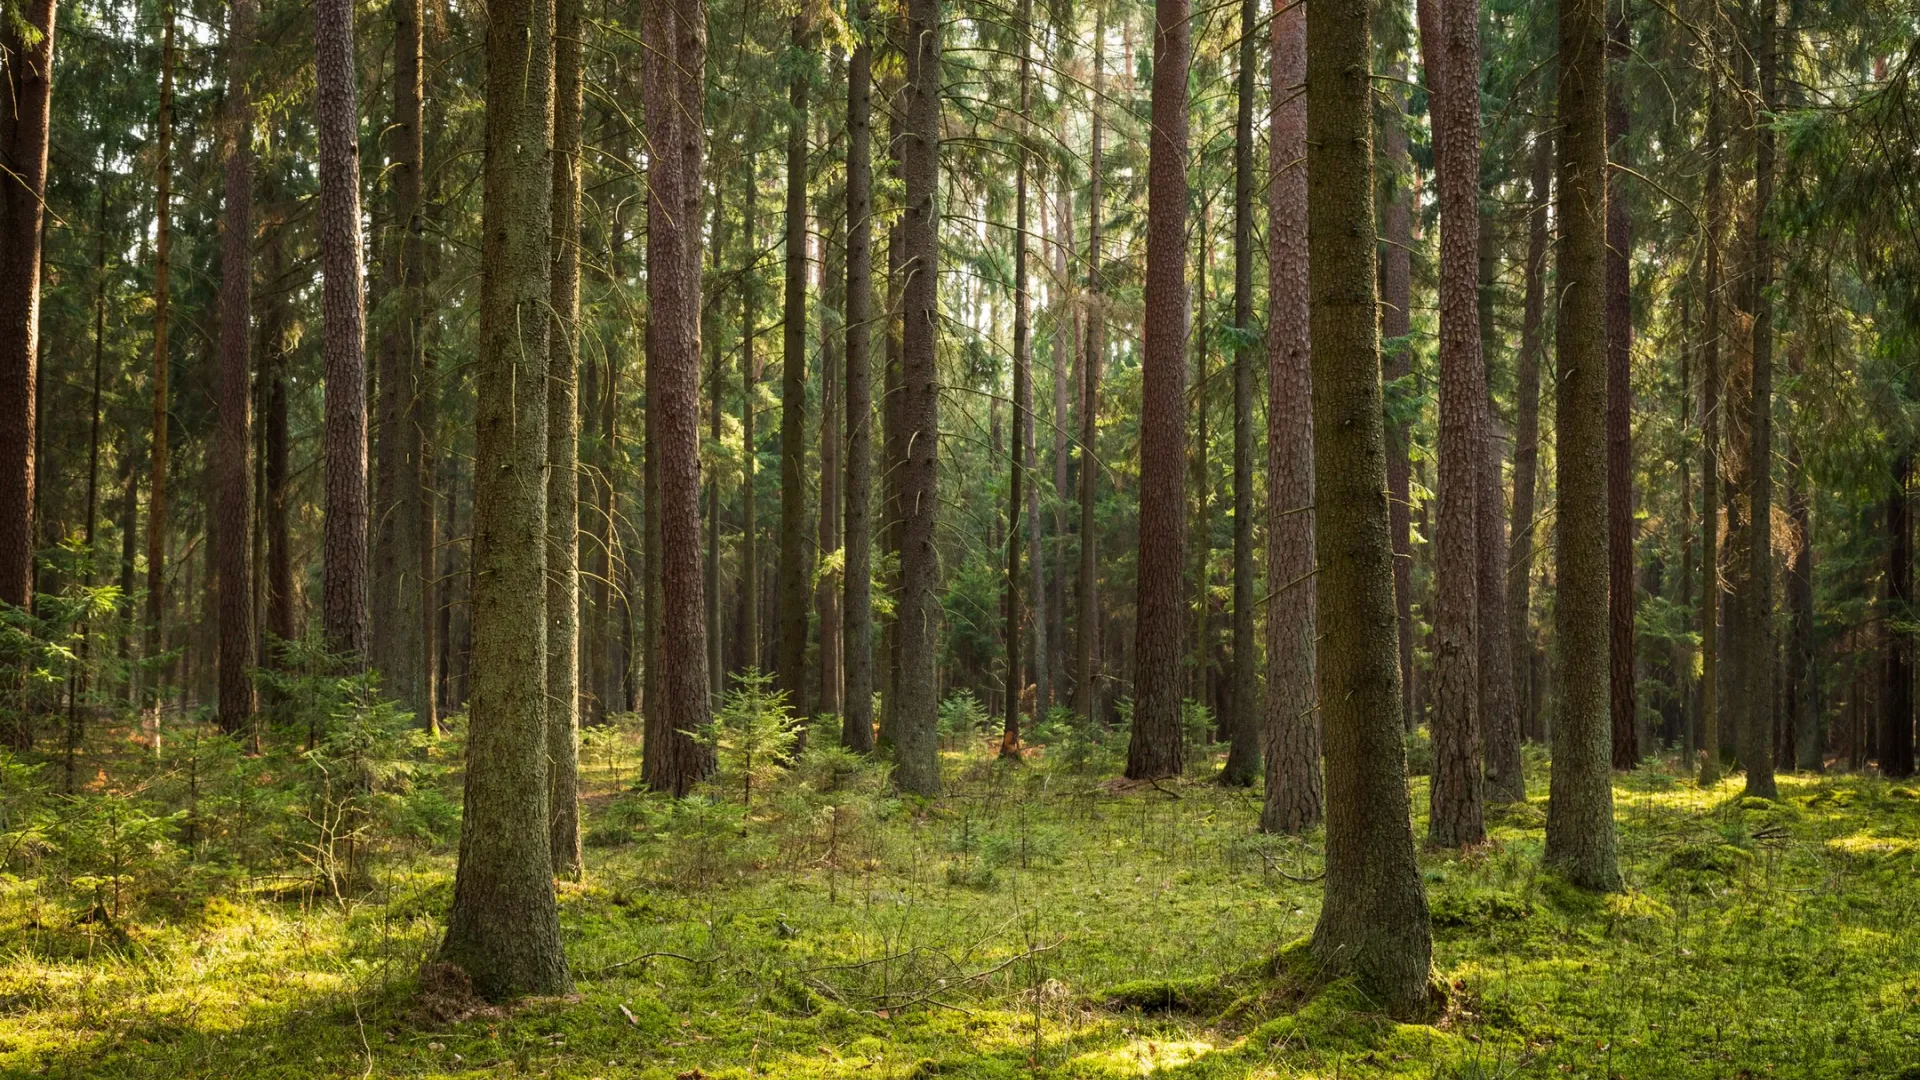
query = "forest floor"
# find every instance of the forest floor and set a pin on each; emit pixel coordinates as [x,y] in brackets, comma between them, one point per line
[1036,921]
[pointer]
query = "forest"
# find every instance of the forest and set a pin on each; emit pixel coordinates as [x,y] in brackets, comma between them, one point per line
[711,539]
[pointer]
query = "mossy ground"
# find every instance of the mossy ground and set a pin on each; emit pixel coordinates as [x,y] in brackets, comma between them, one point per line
[1038,922]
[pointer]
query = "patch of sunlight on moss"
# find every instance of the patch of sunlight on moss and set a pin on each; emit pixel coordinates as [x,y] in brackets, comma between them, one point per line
[1142,1057]
[1869,848]
[1637,905]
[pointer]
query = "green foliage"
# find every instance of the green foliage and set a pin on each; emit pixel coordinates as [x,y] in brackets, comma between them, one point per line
[963,718]
[753,732]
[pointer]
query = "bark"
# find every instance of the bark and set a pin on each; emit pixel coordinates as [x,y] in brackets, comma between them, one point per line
[1895,750]
[1244,726]
[796,570]
[26,52]
[1802,691]
[1087,626]
[1396,322]
[675,113]
[749,400]
[275,444]
[504,928]
[1019,447]
[343,602]
[1292,730]
[1710,378]
[1580,837]
[155,642]
[1756,729]
[1622,700]
[1156,747]
[916,763]
[826,593]
[232,464]
[856,732]
[563,453]
[716,661]
[1499,723]
[1373,924]
[403,509]
[1450,33]
[1066,365]
[1526,436]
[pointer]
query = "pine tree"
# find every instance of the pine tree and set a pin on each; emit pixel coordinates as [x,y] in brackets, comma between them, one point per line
[563,451]
[233,462]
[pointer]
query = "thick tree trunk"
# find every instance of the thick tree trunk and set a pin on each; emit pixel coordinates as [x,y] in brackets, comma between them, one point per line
[1580,838]
[1526,437]
[856,731]
[1373,924]
[796,570]
[343,601]
[563,452]
[1156,747]
[504,927]
[1293,721]
[676,124]
[1623,704]
[233,459]
[1396,322]
[1087,625]
[1244,720]
[1451,38]
[1756,729]
[916,762]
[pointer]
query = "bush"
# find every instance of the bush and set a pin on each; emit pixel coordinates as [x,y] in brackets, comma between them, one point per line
[753,733]
[962,717]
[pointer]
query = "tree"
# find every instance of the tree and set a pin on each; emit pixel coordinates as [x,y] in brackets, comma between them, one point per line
[162,295]
[1087,624]
[233,462]
[1293,721]
[916,763]
[1396,323]
[1580,841]
[1526,432]
[749,401]
[504,927]
[1373,922]
[796,570]
[1156,747]
[1019,448]
[1450,37]
[1756,715]
[856,731]
[1243,751]
[344,560]
[1895,749]
[1622,699]
[563,452]
[1710,378]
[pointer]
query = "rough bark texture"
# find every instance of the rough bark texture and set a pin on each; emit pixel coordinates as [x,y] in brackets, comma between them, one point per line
[749,400]
[1710,589]
[343,588]
[1087,624]
[1499,721]
[916,761]
[1373,924]
[856,732]
[1156,747]
[1895,749]
[1396,321]
[1526,437]
[162,295]
[402,508]
[676,125]
[1756,727]
[1292,729]
[1019,448]
[1623,704]
[504,927]
[1580,838]
[1245,720]
[232,463]
[796,570]
[1066,364]
[1451,43]
[273,363]
[831,285]
[563,453]
[27,83]
[1802,689]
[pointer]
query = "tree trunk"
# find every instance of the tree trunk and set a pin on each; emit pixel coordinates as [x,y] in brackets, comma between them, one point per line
[1018,457]
[1526,434]
[749,401]
[716,657]
[275,442]
[826,592]
[504,927]
[1499,722]
[343,600]
[856,731]
[1396,322]
[155,637]
[563,452]
[1622,699]
[1087,628]
[676,124]
[233,540]
[916,763]
[1580,839]
[1066,366]
[1156,747]
[1373,924]
[1450,30]
[1802,689]
[1244,727]
[796,570]
[1710,590]
[1756,731]
[1895,749]
[1292,732]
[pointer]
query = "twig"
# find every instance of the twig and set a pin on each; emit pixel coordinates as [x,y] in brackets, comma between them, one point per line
[644,957]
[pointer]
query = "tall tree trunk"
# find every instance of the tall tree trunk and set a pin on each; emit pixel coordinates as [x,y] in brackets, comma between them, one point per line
[1156,747]
[233,458]
[504,927]
[401,588]
[1802,689]
[563,452]
[1526,435]
[1243,724]
[1018,460]
[1451,36]
[1087,628]
[1396,323]
[826,599]
[916,762]
[716,658]
[796,571]
[1895,749]
[856,732]
[1710,378]
[1756,730]
[155,643]
[1499,721]
[1292,732]
[1622,700]
[749,401]
[676,123]
[1066,366]
[343,601]
[1373,925]
[275,441]
[1200,529]
[1580,838]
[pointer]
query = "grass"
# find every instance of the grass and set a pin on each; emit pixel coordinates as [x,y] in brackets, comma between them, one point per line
[1036,921]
